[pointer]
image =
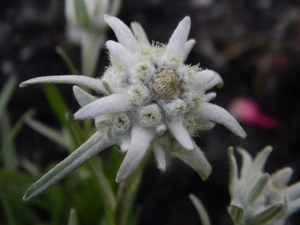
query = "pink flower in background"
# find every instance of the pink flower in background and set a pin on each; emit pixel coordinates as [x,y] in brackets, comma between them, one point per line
[247,111]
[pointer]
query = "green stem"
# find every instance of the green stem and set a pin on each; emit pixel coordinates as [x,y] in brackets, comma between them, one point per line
[127,193]
[105,189]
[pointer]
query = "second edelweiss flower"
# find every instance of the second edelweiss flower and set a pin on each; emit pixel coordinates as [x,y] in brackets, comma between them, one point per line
[152,101]
[258,197]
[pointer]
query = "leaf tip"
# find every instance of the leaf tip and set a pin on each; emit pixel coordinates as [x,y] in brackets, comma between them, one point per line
[26,197]
[23,84]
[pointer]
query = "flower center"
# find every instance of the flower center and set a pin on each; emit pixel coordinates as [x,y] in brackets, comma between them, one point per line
[166,84]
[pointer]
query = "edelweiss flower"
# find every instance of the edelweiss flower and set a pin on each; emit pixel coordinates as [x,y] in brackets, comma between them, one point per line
[257,197]
[153,101]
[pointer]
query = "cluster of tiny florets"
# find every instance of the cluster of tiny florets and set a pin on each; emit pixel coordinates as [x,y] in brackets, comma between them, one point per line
[164,88]
[150,115]
[166,84]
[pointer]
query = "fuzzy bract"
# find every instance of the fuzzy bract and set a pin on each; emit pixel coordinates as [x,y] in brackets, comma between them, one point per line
[152,100]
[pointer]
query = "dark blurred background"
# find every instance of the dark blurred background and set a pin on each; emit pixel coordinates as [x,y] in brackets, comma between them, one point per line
[253,44]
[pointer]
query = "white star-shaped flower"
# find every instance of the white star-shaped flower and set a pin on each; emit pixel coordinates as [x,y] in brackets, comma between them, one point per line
[258,197]
[152,101]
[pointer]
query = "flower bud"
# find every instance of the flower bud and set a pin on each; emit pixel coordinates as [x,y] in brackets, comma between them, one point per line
[142,72]
[122,122]
[150,115]
[139,94]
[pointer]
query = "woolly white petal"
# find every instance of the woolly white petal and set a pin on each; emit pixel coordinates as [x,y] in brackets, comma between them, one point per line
[122,140]
[180,133]
[246,164]
[206,125]
[293,206]
[209,96]
[201,79]
[123,33]
[159,149]
[216,81]
[95,144]
[109,104]
[92,83]
[140,34]
[125,144]
[293,191]
[121,54]
[196,160]
[188,46]
[206,79]
[161,129]
[219,115]
[233,179]
[283,176]
[140,141]
[176,44]
[260,160]
[83,98]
